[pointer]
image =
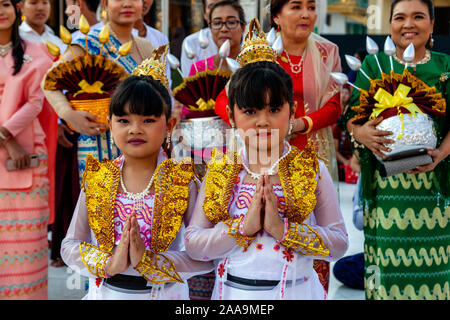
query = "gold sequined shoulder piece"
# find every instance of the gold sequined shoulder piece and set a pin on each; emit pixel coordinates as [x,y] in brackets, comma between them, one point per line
[298,173]
[171,201]
[220,179]
[100,183]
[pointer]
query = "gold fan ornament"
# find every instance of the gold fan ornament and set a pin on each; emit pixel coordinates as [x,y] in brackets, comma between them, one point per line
[88,81]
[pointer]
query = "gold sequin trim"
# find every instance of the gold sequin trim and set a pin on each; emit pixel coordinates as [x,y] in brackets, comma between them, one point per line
[156,268]
[100,183]
[233,231]
[94,259]
[297,173]
[171,201]
[219,182]
[304,240]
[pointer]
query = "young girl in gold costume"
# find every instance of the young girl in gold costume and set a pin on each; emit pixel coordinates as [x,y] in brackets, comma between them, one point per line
[265,209]
[125,232]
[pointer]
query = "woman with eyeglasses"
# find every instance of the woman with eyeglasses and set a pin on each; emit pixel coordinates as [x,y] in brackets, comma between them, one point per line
[227,22]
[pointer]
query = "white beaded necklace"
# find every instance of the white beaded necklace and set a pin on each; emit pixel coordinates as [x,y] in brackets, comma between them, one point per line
[271,170]
[138,198]
[424,60]
[4,49]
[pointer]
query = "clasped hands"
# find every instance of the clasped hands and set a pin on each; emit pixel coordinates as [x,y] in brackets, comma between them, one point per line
[263,211]
[130,249]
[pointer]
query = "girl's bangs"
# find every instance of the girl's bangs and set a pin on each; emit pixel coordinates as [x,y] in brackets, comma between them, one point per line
[262,87]
[140,98]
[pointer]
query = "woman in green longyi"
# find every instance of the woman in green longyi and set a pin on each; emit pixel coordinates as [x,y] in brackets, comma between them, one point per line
[406,216]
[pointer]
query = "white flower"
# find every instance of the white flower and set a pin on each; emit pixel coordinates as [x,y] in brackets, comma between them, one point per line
[27,58]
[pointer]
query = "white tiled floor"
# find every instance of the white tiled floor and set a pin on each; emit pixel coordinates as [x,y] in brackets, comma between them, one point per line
[61,279]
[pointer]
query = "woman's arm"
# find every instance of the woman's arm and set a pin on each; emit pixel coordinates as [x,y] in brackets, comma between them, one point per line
[322,118]
[81,121]
[438,155]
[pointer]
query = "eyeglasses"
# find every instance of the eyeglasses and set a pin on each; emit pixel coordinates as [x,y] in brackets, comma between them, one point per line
[230,24]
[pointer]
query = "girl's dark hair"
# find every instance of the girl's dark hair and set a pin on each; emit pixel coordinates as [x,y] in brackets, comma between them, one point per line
[252,84]
[232,3]
[428,3]
[275,8]
[18,46]
[143,95]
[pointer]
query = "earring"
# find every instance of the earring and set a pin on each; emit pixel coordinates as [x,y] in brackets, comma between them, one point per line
[233,140]
[278,29]
[168,139]
[111,139]
[431,42]
[291,127]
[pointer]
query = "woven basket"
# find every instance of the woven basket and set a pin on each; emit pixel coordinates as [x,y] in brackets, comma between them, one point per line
[97,107]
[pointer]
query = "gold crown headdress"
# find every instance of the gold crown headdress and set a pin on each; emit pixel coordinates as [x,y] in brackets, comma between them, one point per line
[155,66]
[256,47]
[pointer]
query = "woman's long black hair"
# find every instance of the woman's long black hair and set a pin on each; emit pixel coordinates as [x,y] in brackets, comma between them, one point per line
[18,46]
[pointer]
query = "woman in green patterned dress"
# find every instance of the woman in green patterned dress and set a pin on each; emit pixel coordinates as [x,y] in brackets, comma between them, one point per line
[406,216]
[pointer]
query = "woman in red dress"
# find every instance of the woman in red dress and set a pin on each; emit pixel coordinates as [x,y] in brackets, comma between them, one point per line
[309,59]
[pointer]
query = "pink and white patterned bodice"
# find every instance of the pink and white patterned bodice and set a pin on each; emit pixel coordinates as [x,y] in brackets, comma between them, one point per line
[265,250]
[123,208]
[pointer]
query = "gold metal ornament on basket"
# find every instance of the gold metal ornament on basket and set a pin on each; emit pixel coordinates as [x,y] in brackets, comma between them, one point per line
[88,81]
[406,104]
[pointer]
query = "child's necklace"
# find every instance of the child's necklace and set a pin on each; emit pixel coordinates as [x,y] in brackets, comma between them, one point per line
[138,198]
[271,170]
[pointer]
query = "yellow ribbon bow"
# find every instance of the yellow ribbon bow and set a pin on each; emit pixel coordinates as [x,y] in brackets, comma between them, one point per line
[203,105]
[89,88]
[399,100]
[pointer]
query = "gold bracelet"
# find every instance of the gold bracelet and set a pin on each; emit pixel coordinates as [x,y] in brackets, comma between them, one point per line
[310,125]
